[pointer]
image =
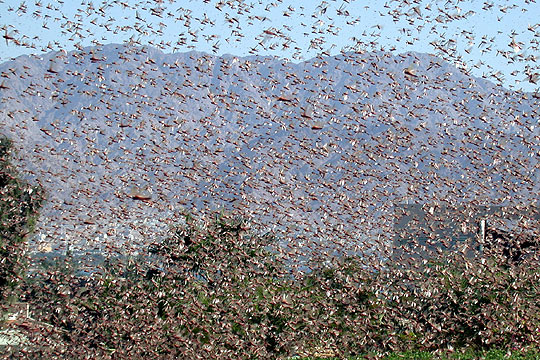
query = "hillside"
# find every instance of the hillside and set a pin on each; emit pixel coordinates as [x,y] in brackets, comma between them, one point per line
[125,138]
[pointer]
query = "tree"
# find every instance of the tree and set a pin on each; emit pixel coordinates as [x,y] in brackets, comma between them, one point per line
[19,205]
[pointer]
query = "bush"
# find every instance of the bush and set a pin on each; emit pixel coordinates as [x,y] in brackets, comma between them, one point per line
[459,303]
[212,291]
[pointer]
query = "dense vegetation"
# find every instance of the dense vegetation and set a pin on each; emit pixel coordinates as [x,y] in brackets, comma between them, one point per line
[19,205]
[215,290]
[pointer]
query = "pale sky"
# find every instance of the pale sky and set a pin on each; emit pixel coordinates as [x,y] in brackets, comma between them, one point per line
[487,37]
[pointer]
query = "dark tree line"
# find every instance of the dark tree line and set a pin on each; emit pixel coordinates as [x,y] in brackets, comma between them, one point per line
[19,206]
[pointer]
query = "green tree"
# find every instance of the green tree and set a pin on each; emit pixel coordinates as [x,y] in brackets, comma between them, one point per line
[19,205]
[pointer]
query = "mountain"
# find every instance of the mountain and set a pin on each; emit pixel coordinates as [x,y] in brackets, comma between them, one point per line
[125,138]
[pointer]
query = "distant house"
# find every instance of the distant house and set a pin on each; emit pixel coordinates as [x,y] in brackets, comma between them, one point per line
[423,230]
[511,247]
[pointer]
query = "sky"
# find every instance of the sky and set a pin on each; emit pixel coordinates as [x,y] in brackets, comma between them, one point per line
[495,39]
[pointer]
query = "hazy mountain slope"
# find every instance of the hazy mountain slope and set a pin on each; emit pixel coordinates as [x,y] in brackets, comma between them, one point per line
[326,145]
